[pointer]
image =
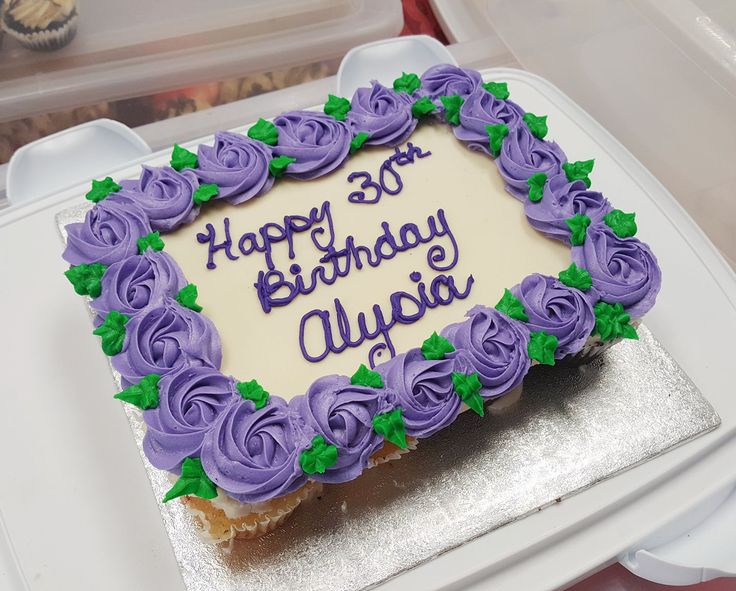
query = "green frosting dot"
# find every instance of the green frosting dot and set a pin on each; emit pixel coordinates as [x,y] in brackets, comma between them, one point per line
[542,347]
[407,83]
[511,306]
[337,107]
[536,186]
[536,124]
[578,225]
[253,391]
[467,387]
[187,297]
[318,457]
[422,107]
[152,241]
[366,377]
[576,277]
[182,158]
[144,394]
[391,426]
[193,481]
[86,279]
[436,347]
[612,322]
[101,189]
[579,171]
[622,224]
[357,142]
[496,133]
[452,105]
[498,89]
[204,193]
[112,332]
[264,131]
[277,166]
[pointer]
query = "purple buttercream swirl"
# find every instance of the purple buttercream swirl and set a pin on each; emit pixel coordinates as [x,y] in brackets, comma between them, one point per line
[562,199]
[165,338]
[190,401]
[481,109]
[558,310]
[382,113]
[254,456]
[165,195]
[447,80]
[424,391]
[494,345]
[343,414]
[133,284]
[318,141]
[238,166]
[624,270]
[108,234]
[523,155]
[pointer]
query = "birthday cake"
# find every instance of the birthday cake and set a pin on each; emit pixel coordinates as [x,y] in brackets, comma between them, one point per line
[279,334]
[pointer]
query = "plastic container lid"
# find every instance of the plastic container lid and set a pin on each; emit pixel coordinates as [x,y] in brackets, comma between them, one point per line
[138,47]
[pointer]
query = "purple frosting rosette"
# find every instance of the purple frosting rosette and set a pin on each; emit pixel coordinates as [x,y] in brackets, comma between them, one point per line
[254,455]
[424,391]
[556,309]
[495,347]
[164,339]
[238,166]
[481,109]
[383,114]
[343,414]
[108,234]
[623,270]
[318,141]
[447,80]
[523,155]
[133,284]
[190,402]
[165,195]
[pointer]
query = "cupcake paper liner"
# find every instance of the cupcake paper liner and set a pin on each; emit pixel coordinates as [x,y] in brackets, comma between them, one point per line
[55,36]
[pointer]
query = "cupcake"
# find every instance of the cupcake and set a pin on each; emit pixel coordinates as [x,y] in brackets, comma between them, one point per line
[41,25]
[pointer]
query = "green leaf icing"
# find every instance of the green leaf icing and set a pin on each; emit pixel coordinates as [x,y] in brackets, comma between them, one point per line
[264,131]
[542,347]
[407,83]
[101,189]
[496,133]
[187,297]
[622,224]
[152,241]
[498,89]
[579,171]
[576,277]
[436,347]
[452,106]
[318,457]
[536,124]
[112,332]
[252,390]
[391,426]
[467,387]
[366,377]
[578,225]
[424,106]
[511,306]
[193,481]
[611,322]
[357,142]
[182,158]
[536,186]
[337,107]
[87,279]
[278,165]
[204,193]
[144,394]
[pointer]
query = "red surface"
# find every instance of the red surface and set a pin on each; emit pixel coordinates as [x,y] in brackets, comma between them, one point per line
[420,20]
[617,578]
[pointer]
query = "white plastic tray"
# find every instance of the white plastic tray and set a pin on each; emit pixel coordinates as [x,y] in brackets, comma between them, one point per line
[78,499]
